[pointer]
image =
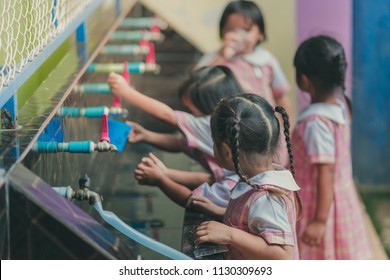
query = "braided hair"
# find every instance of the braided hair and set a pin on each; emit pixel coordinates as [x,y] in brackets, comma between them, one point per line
[248,124]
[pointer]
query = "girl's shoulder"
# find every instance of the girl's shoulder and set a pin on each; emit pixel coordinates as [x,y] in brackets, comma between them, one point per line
[260,56]
[333,113]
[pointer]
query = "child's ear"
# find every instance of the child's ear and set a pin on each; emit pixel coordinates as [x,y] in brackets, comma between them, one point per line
[304,83]
[227,152]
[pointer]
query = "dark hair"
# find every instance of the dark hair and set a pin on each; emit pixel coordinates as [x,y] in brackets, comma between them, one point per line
[322,60]
[248,124]
[248,10]
[208,85]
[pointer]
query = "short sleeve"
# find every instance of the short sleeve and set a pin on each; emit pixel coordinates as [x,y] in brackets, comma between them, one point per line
[196,130]
[268,218]
[319,141]
[219,192]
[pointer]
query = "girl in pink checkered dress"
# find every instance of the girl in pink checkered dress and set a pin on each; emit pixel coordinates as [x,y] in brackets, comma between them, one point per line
[242,30]
[199,94]
[259,221]
[332,225]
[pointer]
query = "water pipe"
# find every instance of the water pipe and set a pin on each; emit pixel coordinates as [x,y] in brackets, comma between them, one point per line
[92,112]
[143,22]
[74,147]
[105,88]
[131,49]
[133,67]
[83,147]
[138,237]
[137,35]
[93,88]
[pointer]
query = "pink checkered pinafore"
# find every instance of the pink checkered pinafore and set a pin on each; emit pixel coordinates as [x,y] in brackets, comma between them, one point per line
[237,216]
[345,236]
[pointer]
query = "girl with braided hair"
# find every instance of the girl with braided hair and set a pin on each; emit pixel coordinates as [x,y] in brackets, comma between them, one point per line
[332,225]
[259,221]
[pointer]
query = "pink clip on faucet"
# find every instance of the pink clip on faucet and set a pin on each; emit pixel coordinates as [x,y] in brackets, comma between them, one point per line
[104,136]
[151,56]
[155,29]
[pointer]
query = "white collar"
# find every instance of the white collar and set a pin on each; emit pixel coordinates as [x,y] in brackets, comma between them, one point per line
[258,57]
[334,112]
[280,177]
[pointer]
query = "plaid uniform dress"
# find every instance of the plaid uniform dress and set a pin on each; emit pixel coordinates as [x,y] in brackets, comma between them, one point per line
[262,213]
[260,73]
[345,236]
[198,144]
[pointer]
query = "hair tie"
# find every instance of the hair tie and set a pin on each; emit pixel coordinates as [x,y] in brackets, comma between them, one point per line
[273,109]
[237,119]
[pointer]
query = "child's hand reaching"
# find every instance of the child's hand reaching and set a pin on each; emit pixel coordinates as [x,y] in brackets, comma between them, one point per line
[159,163]
[150,171]
[137,133]
[118,84]
[205,205]
[313,233]
[214,232]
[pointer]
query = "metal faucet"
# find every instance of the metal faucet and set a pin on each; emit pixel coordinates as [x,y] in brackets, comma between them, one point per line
[83,193]
[104,146]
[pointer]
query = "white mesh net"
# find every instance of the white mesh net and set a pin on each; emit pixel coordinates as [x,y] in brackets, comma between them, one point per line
[27,26]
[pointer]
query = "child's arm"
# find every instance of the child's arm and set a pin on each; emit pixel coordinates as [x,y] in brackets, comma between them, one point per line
[148,173]
[187,178]
[191,179]
[315,229]
[206,206]
[252,246]
[165,141]
[155,108]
